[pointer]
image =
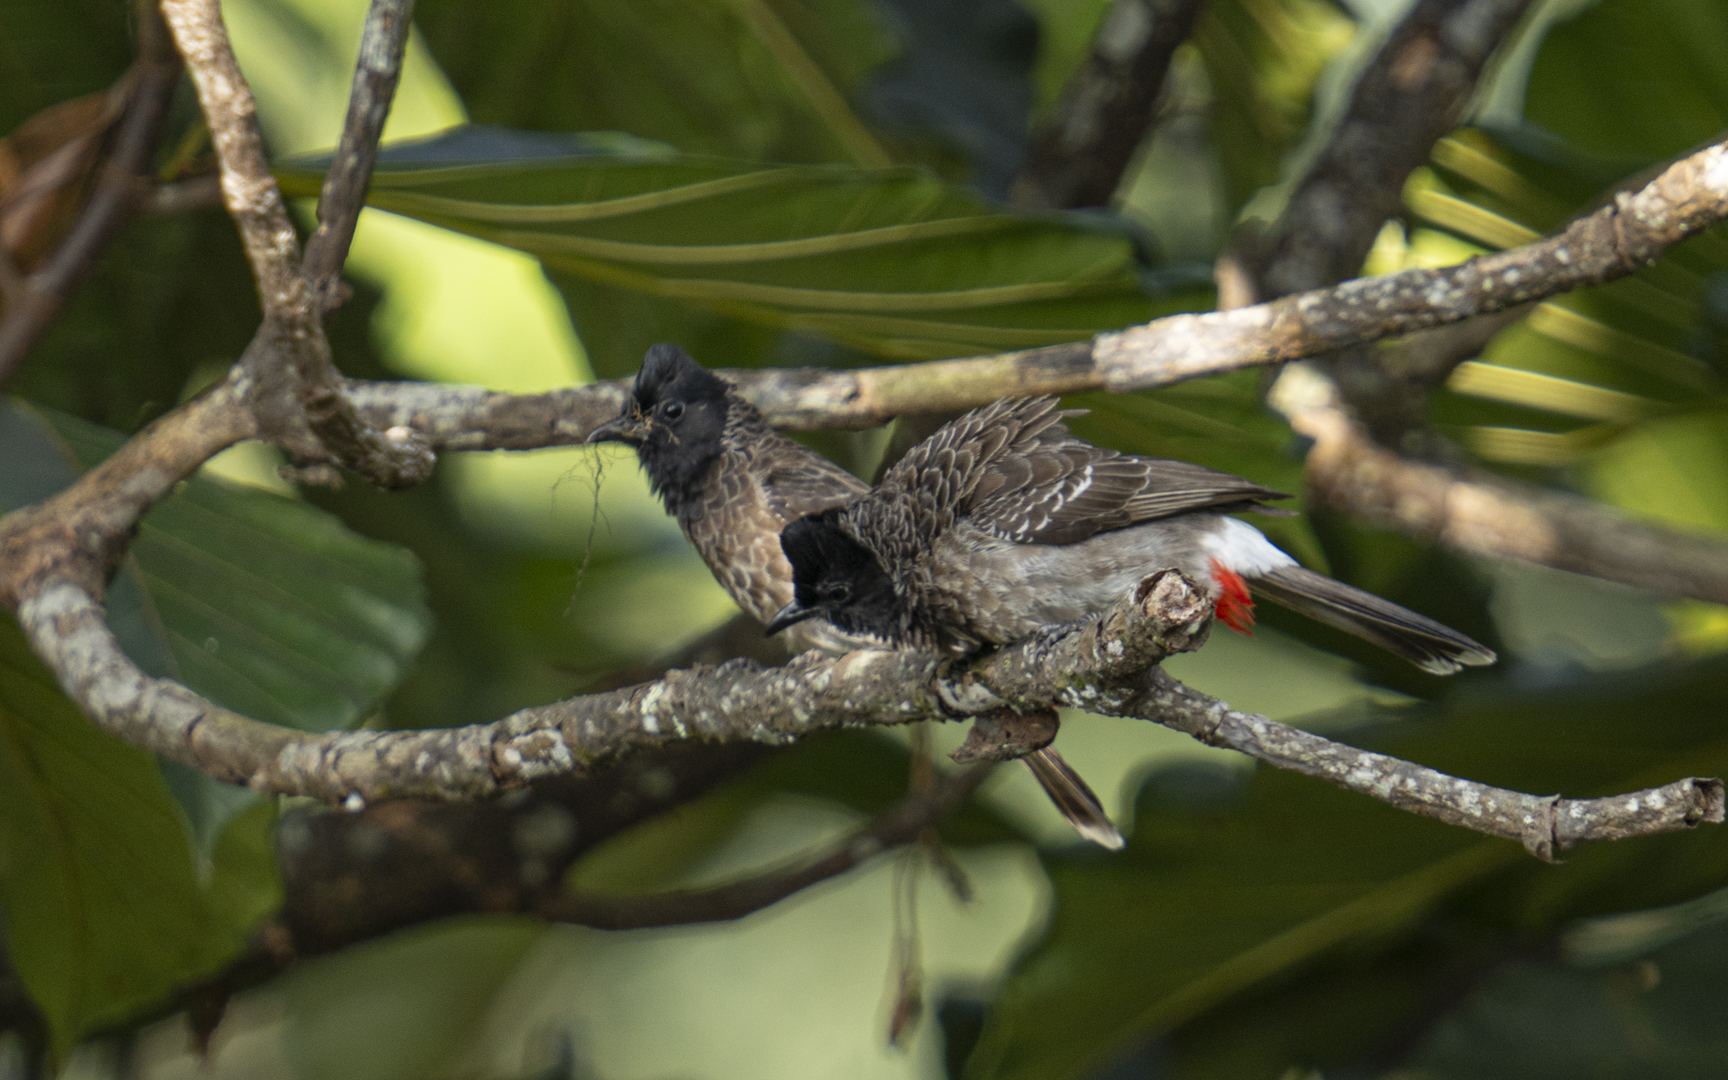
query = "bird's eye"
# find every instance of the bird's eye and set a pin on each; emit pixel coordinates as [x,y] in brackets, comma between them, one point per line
[837,592]
[672,410]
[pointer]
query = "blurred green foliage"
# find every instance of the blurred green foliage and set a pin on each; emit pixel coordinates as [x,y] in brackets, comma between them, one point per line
[818,182]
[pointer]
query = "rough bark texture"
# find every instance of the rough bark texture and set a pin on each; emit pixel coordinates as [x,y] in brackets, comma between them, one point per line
[1611,243]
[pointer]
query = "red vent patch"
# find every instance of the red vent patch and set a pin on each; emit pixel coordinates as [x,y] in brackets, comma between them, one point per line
[1235,608]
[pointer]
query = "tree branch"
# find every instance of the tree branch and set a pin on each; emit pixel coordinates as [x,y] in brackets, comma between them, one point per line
[383,42]
[1410,96]
[34,302]
[1098,664]
[1078,156]
[1478,513]
[1413,93]
[1615,241]
[296,392]
[1545,824]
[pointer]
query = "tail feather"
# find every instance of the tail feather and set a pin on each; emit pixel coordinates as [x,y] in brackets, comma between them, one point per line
[1074,798]
[1427,644]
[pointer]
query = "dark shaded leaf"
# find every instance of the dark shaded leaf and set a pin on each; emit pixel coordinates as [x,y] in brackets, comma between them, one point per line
[104,914]
[761,80]
[1208,908]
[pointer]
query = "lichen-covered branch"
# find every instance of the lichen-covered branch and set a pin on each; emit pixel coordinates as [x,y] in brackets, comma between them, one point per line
[738,701]
[1611,243]
[1099,664]
[1545,824]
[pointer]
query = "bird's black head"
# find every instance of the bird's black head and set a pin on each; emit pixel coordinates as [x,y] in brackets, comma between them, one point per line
[835,577]
[674,418]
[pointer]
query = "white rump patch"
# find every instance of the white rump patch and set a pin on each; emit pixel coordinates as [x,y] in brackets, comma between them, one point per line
[1242,548]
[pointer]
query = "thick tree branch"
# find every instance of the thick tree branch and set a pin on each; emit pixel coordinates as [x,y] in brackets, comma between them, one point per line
[34,302]
[1615,241]
[1098,664]
[298,396]
[1077,158]
[738,701]
[1477,513]
[1413,93]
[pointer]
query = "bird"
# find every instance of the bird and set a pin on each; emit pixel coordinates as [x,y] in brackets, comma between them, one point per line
[1002,522]
[734,483]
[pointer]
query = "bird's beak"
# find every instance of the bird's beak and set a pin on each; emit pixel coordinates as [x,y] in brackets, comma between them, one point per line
[625,429]
[791,615]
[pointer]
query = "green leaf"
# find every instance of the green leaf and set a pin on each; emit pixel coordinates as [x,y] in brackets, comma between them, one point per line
[1226,895]
[891,262]
[55,52]
[1666,52]
[747,78]
[271,607]
[261,603]
[104,913]
[1657,1013]
[406,1006]
[1264,59]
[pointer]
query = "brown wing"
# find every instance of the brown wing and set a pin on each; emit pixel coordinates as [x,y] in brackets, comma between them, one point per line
[1013,469]
[798,481]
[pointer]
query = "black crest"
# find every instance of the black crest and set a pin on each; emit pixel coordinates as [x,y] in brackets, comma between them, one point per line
[671,374]
[682,411]
[835,575]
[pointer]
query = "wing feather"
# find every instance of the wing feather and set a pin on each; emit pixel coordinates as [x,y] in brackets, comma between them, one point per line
[1012,469]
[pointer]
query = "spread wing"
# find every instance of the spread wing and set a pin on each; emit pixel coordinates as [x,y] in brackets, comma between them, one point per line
[798,481]
[1013,469]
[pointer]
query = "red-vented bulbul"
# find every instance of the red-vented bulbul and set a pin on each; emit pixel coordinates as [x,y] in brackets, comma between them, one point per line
[1002,522]
[734,483]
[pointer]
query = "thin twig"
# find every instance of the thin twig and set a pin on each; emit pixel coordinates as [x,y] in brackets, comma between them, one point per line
[383,42]
[899,825]
[1078,156]
[1544,824]
[33,304]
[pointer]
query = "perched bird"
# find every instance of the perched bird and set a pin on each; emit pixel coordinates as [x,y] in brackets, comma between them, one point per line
[1003,522]
[734,483]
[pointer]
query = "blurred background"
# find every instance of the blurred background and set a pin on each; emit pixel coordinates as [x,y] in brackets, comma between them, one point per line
[1258,925]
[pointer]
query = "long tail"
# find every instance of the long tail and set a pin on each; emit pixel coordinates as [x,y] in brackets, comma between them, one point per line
[1074,798]
[1417,638]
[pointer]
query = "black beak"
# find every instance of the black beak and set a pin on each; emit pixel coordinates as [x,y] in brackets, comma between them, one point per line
[791,615]
[625,429]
